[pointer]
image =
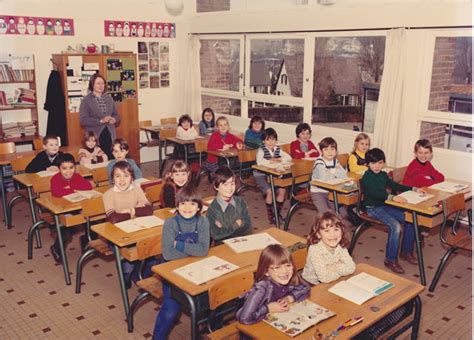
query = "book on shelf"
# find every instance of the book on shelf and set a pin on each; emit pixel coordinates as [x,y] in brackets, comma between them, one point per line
[82,195]
[16,67]
[202,271]
[250,242]
[301,316]
[19,129]
[360,288]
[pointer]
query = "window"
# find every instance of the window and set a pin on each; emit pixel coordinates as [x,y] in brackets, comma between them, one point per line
[276,112]
[347,76]
[276,67]
[221,105]
[448,136]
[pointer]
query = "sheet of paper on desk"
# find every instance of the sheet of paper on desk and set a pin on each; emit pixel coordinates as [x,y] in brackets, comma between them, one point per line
[46,173]
[336,181]
[277,165]
[413,197]
[205,270]
[360,288]
[298,318]
[140,223]
[250,242]
[82,195]
[449,187]
[96,165]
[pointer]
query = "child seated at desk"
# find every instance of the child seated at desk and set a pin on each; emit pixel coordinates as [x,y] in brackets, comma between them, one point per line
[228,214]
[120,152]
[66,182]
[356,161]
[328,258]
[326,167]
[222,139]
[178,177]
[303,147]
[125,200]
[271,153]
[420,172]
[91,153]
[46,159]
[186,131]
[186,234]
[277,285]
[254,134]
[207,125]
[374,184]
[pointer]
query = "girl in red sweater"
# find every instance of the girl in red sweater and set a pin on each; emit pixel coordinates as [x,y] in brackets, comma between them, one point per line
[303,147]
[420,172]
[222,139]
[66,182]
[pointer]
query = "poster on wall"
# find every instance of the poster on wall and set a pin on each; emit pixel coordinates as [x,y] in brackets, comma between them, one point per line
[153,64]
[138,29]
[27,25]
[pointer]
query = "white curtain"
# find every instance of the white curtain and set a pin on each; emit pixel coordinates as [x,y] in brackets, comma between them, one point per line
[391,107]
[191,102]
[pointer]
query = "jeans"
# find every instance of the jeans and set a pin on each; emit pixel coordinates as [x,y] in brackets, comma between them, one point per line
[167,315]
[394,218]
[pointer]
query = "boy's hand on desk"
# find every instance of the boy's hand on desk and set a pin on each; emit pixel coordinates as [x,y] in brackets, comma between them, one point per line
[218,224]
[239,222]
[399,199]
[52,168]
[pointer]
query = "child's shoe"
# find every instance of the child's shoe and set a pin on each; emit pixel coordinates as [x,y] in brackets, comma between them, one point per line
[409,257]
[394,266]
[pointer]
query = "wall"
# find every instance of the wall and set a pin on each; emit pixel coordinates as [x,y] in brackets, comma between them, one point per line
[88,18]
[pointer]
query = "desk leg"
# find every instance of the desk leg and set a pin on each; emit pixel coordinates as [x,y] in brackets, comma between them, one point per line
[186,153]
[160,157]
[419,252]
[275,210]
[4,194]
[336,202]
[123,289]
[67,277]
[193,310]
[31,202]
[414,324]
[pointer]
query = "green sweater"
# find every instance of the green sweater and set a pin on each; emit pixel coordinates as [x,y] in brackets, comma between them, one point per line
[227,218]
[375,186]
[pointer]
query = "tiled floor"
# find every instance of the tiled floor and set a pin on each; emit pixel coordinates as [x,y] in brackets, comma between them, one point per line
[36,303]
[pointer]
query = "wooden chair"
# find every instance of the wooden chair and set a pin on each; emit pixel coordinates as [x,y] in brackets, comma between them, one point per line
[343,158]
[18,166]
[7,148]
[365,218]
[169,121]
[150,285]
[38,144]
[100,176]
[223,299]
[398,174]
[151,138]
[301,174]
[153,193]
[92,210]
[200,146]
[166,133]
[286,147]
[454,239]
[247,158]
[299,257]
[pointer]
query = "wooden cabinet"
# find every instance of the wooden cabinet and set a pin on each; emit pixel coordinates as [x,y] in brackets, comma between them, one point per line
[120,72]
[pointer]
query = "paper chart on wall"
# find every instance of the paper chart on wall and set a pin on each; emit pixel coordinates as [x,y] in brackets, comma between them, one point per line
[205,270]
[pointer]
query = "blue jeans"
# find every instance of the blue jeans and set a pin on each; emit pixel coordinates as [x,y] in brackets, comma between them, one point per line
[167,315]
[394,219]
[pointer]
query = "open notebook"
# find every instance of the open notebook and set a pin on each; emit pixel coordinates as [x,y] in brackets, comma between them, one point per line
[46,173]
[250,242]
[413,197]
[360,288]
[298,318]
[449,186]
[82,195]
[205,270]
[140,223]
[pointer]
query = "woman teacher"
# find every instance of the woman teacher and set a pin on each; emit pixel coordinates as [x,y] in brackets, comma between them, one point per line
[99,114]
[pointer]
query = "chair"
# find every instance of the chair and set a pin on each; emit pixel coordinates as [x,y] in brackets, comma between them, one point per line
[246,158]
[7,148]
[153,193]
[150,285]
[18,166]
[343,158]
[169,121]
[299,257]
[223,299]
[100,176]
[399,173]
[200,146]
[456,239]
[38,144]
[151,137]
[166,133]
[286,147]
[300,174]
[92,210]
[366,219]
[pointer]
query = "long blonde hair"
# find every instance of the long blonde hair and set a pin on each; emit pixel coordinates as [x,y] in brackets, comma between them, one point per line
[359,137]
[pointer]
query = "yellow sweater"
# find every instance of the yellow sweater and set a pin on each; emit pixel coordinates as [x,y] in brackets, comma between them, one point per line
[352,162]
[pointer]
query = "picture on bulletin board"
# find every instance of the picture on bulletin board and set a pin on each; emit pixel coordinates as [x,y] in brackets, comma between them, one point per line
[138,29]
[27,25]
[153,65]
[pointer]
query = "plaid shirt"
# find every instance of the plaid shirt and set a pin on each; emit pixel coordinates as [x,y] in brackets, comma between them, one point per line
[101,102]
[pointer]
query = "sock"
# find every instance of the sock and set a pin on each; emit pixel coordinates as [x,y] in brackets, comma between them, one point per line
[270,212]
[279,207]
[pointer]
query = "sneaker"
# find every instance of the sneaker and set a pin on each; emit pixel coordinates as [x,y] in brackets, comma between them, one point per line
[409,257]
[394,266]
[56,256]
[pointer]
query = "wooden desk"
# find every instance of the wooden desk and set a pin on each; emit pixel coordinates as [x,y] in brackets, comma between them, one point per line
[185,143]
[339,191]
[428,214]
[121,239]
[404,292]
[195,293]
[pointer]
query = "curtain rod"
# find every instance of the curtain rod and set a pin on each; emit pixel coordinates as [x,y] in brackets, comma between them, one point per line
[335,30]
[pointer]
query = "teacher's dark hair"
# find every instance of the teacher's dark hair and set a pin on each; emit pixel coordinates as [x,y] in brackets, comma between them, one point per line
[93,79]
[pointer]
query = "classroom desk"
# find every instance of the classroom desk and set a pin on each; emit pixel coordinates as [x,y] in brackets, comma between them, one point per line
[156,129]
[339,193]
[403,295]
[197,295]
[121,239]
[185,143]
[59,206]
[428,214]
[227,155]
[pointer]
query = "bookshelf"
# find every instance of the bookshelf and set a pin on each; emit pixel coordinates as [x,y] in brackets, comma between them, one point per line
[18,99]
